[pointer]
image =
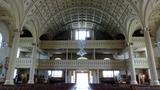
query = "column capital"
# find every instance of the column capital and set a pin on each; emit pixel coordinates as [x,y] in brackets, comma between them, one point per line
[17,33]
[34,44]
[129,43]
[146,28]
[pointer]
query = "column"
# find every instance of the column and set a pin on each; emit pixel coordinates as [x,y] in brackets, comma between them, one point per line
[151,59]
[66,76]
[67,54]
[69,76]
[32,68]
[131,64]
[94,76]
[149,75]
[97,75]
[12,59]
[94,54]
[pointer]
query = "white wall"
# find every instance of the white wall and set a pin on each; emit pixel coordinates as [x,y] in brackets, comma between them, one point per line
[156,51]
[4,52]
[4,31]
[158,72]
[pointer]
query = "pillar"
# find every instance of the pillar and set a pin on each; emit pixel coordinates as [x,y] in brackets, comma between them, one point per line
[32,68]
[94,54]
[12,59]
[97,75]
[67,54]
[131,64]
[94,76]
[149,75]
[151,59]
[66,76]
[69,76]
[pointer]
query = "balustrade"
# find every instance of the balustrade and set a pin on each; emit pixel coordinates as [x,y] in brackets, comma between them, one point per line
[82,64]
[108,44]
[140,63]
[23,63]
[26,42]
[138,42]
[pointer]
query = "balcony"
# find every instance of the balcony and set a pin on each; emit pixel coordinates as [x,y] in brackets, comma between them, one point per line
[26,42]
[140,63]
[81,64]
[138,42]
[107,44]
[23,63]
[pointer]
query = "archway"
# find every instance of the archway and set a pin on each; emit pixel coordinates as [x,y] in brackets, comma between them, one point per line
[82,80]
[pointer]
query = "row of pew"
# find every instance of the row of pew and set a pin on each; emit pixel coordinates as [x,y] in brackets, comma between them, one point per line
[71,86]
[60,86]
[122,87]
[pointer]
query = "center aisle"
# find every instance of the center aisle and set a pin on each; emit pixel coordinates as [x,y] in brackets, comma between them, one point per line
[82,87]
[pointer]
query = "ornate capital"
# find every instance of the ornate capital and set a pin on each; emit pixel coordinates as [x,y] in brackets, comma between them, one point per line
[21,32]
[129,43]
[146,28]
[34,44]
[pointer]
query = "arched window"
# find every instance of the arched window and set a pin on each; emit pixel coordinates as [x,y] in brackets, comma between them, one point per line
[1,40]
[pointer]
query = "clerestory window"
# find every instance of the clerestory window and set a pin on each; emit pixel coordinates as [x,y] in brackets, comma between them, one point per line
[82,34]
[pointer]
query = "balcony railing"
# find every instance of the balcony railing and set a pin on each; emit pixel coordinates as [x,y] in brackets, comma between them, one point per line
[108,44]
[26,42]
[23,63]
[138,42]
[81,64]
[140,63]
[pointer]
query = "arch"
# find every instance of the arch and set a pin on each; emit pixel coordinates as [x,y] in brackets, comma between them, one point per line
[9,8]
[26,33]
[44,37]
[32,24]
[138,33]
[135,24]
[119,36]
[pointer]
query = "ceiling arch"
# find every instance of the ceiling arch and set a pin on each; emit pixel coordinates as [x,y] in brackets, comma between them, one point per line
[32,24]
[135,24]
[47,9]
[83,14]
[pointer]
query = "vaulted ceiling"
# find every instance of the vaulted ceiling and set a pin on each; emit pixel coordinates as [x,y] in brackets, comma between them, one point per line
[57,15]
[112,16]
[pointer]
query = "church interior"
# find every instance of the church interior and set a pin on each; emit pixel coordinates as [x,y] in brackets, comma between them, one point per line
[79,44]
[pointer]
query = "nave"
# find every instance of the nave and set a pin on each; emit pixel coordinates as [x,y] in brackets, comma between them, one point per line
[47,44]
